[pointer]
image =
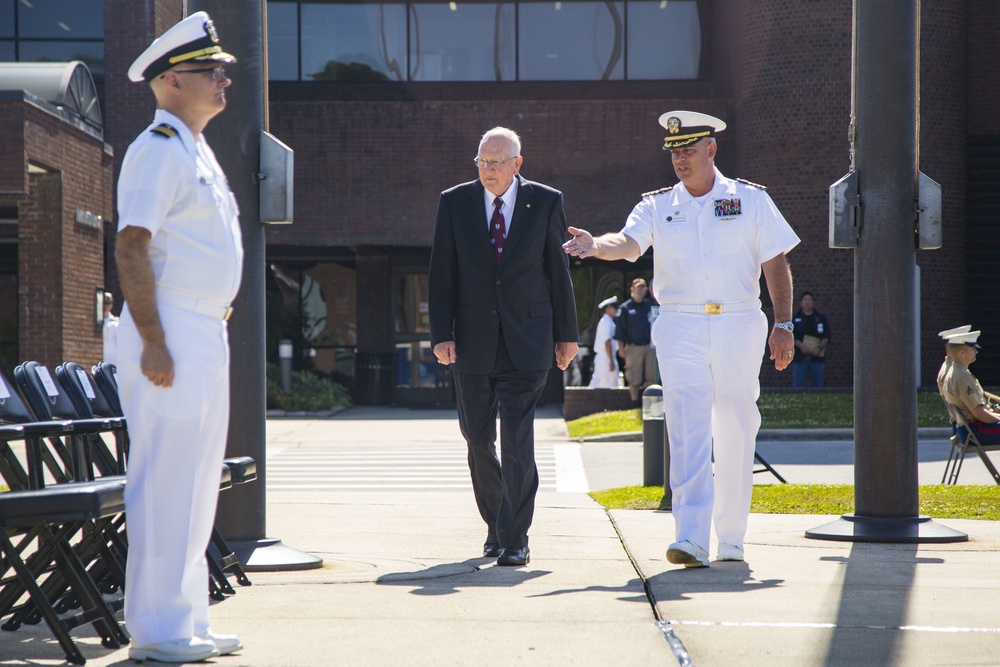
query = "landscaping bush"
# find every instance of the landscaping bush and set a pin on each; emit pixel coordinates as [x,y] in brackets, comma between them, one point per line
[309,393]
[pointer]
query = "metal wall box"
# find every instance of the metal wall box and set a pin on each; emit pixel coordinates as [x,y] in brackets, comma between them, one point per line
[277,174]
[929,233]
[845,204]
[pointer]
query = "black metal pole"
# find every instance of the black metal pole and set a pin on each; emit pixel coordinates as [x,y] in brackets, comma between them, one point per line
[235,138]
[885,102]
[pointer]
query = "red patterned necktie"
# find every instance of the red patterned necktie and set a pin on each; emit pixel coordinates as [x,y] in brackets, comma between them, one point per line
[497,229]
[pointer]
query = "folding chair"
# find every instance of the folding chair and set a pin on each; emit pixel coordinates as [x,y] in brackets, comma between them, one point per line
[960,447]
[47,402]
[47,519]
[767,467]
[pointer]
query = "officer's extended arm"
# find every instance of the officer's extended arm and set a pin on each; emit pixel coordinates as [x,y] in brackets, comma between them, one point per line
[779,286]
[607,246]
[135,272]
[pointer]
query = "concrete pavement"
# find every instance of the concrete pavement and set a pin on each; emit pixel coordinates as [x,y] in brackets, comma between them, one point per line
[403,584]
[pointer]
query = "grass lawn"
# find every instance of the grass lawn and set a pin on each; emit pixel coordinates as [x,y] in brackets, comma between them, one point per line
[786,411]
[936,501]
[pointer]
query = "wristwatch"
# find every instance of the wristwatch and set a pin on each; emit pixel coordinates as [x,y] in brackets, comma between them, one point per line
[787,326]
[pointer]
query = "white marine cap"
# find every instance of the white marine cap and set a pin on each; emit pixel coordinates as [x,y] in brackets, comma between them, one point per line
[966,338]
[194,38]
[688,127]
[610,301]
[965,328]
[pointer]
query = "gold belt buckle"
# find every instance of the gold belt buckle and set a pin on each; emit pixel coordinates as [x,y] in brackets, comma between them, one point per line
[229,313]
[713,308]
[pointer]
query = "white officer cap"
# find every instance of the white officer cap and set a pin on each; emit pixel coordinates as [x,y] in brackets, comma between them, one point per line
[688,127]
[610,301]
[194,38]
[966,338]
[965,328]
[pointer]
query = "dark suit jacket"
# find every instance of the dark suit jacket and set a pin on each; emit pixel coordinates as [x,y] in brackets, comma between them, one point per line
[529,293]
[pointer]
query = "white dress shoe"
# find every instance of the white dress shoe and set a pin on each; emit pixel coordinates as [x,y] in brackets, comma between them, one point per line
[688,554]
[729,552]
[191,649]
[225,643]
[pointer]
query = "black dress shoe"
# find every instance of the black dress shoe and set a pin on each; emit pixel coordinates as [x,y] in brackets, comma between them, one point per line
[514,557]
[491,549]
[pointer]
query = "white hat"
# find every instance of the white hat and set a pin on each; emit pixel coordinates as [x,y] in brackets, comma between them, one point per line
[194,38]
[965,328]
[688,127]
[610,301]
[966,338]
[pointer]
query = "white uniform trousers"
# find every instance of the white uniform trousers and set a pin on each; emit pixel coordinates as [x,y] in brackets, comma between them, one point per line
[710,368]
[604,377]
[178,441]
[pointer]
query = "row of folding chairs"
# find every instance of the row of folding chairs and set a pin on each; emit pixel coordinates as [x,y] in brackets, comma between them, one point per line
[63,454]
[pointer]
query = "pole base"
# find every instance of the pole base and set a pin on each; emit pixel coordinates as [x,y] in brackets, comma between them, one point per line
[270,555]
[898,530]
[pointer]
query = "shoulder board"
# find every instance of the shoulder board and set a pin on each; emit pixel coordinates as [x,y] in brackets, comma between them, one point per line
[755,185]
[164,130]
[658,192]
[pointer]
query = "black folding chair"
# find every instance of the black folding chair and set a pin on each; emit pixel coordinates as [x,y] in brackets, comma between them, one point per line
[47,519]
[961,446]
[767,467]
[47,401]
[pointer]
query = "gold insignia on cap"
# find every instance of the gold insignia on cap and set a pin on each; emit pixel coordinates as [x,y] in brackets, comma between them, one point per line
[673,125]
[210,30]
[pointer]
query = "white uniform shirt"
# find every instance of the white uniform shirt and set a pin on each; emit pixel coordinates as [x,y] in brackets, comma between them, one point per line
[709,253]
[605,332]
[175,188]
[111,339]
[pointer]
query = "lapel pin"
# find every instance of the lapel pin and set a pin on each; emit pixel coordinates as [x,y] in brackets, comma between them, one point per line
[528,206]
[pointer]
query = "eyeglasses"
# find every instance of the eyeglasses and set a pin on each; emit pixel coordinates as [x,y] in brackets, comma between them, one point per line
[493,164]
[216,73]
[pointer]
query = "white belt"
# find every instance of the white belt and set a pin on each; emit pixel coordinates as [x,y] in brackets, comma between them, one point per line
[712,308]
[194,304]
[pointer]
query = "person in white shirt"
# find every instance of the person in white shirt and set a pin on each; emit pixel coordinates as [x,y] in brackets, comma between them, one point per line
[606,374]
[180,254]
[110,333]
[711,236]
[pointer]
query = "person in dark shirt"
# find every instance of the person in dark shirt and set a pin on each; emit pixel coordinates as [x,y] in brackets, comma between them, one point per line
[810,353]
[632,331]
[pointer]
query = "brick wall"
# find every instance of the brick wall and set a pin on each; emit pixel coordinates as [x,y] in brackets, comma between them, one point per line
[60,261]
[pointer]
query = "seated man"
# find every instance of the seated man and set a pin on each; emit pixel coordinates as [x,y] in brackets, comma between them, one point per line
[946,366]
[963,391]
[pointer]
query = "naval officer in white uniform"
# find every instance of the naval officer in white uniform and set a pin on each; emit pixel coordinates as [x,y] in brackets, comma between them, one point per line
[180,254]
[711,236]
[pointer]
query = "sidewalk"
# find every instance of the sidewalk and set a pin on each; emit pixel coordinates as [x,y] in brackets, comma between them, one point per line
[402,583]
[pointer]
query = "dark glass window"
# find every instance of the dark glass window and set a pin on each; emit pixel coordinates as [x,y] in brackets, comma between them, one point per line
[462,42]
[664,39]
[6,50]
[283,41]
[91,53]
[70,19]
[526,40]
[353,42]
[7,18]
[566,41]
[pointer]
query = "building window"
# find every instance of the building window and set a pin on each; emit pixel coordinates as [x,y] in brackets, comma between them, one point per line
[572,40]
[53,31]
[564,41]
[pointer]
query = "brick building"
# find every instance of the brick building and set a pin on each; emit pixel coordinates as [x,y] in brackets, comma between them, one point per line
[384,104]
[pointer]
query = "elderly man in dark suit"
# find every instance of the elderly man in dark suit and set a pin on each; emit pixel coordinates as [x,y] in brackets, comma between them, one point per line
[501,308]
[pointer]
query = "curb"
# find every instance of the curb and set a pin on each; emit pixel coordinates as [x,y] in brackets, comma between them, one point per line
[773,435]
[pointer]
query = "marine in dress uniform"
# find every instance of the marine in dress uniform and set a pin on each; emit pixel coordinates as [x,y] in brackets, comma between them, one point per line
[964,393]
[946,366]
[180,254]
[606,372]
[711,236]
